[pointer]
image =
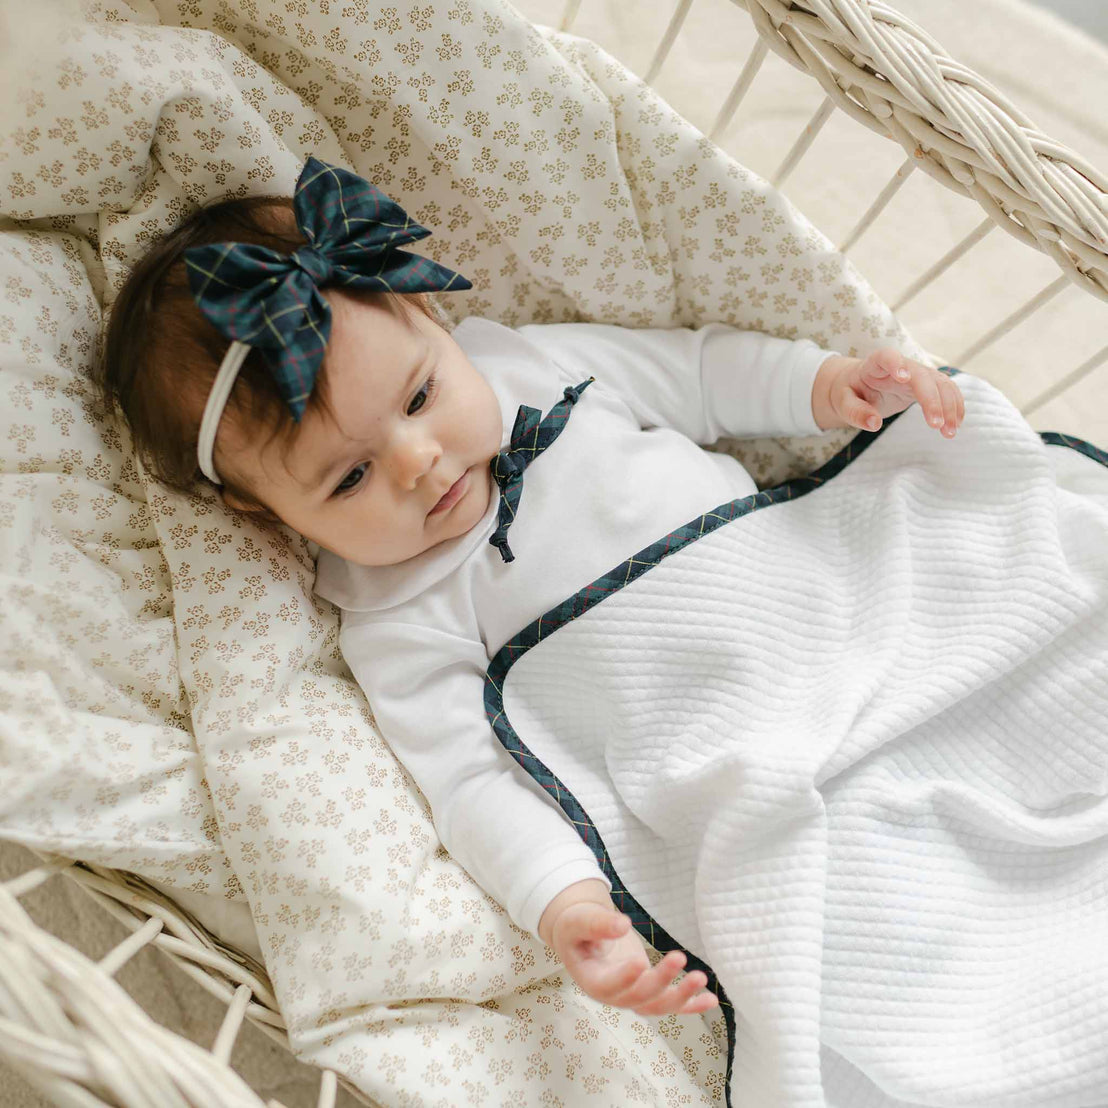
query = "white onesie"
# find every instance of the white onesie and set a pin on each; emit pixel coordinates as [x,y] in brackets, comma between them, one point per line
[624,471]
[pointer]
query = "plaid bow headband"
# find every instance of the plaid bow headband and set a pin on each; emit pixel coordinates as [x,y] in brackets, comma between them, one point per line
[259,297]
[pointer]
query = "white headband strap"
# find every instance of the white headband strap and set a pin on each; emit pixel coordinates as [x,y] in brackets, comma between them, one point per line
[217,400]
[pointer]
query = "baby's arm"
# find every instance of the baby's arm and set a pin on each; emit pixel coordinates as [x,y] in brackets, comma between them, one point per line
[708,382]
[426,686]
[607,959]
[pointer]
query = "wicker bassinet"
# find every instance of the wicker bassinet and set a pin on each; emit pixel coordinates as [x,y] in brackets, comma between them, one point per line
[67,1026]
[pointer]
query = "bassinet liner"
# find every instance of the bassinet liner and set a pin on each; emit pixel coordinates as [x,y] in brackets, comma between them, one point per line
[176,713]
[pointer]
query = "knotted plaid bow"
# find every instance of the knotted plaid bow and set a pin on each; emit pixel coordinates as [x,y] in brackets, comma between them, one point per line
[271,300]
[528,440]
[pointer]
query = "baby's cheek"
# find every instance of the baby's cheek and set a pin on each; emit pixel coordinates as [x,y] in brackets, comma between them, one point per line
[490,420]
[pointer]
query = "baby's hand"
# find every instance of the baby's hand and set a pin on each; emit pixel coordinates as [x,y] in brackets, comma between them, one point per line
[606,957]
[883,383]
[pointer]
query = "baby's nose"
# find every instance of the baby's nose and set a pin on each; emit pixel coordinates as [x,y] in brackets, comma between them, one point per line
[413,457]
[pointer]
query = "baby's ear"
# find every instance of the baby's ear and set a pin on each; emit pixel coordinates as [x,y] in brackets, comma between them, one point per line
[232,501]
[248,507]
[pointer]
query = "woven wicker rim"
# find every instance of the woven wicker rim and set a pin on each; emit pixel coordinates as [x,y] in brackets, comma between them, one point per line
[890,75]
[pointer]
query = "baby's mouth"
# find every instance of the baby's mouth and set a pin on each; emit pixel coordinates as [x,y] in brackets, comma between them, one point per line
[452,495]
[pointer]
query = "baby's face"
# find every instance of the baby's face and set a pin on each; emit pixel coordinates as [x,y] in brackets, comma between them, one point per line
[414,416]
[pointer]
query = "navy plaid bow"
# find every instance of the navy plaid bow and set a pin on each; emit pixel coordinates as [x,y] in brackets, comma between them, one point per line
[529,439]
[271,300]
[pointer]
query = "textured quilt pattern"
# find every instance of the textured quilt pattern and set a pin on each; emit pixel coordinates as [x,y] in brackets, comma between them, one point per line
[844,741]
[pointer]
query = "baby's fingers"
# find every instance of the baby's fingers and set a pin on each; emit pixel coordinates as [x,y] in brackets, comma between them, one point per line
[651,994]
[857,412]
[651,981]
[953,406]
[925,384]
[684,997]
[940,399]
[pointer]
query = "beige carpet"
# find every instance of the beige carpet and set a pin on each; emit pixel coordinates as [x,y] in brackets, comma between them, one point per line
[1054,73]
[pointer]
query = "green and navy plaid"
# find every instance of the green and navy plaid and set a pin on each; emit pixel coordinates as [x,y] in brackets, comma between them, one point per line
[529,438]
[271,300]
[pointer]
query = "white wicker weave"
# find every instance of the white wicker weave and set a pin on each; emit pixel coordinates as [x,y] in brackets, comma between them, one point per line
[69,1028]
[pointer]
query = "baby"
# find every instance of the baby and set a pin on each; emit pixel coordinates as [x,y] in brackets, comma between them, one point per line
[347,410]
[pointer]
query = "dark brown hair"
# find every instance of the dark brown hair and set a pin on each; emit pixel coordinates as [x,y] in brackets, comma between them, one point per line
[160,354]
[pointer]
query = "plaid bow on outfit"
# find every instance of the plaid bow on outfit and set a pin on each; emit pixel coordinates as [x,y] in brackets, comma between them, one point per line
[271,300]
[529,439]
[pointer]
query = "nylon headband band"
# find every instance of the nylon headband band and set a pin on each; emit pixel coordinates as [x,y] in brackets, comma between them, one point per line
[217,401]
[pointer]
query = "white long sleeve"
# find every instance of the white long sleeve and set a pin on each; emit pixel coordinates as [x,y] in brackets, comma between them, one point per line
[626,469]
[706,383]
[426,690]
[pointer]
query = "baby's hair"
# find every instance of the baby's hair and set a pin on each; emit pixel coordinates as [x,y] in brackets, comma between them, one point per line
[160,354]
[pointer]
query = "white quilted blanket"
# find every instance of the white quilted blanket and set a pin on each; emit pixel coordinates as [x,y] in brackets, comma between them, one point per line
[845,742]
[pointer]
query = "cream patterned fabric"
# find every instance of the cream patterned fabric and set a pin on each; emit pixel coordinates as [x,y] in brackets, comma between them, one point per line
[96,759]
[173,701]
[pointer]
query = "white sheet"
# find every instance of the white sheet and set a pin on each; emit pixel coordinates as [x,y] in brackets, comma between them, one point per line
[848,748]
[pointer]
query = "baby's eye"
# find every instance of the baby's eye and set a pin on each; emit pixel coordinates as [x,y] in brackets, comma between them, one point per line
[344,487]
[426,392]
